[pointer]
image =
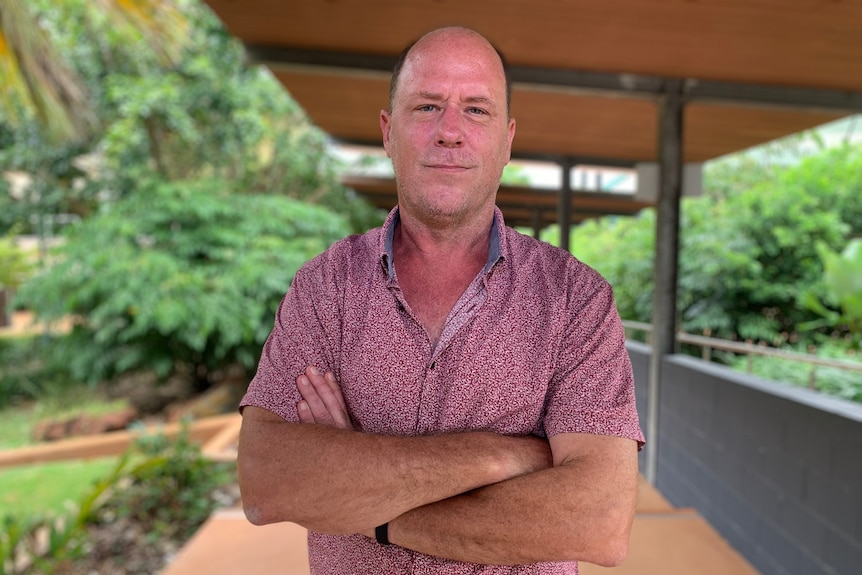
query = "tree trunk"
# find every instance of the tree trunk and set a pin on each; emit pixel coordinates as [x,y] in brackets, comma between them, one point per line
[5,314]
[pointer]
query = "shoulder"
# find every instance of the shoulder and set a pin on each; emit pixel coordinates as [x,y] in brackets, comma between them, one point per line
[550,265]
[354,255]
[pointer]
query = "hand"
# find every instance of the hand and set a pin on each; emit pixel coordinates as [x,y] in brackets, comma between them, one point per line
[322,401]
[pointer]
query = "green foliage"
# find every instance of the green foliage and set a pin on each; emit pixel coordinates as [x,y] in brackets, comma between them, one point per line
[171,492]
[207,115]
[15,266]
[515,176]
[27,371]
[833,381]
[747,257]
[621,249]
[180,273]
[842,286]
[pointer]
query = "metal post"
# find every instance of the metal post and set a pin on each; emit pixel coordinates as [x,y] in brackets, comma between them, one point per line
[564,208]
[663,341]
[536,217]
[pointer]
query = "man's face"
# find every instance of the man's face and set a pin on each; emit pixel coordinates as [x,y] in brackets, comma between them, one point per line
[448,134]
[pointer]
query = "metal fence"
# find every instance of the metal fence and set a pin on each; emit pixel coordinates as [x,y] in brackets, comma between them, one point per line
[708,344]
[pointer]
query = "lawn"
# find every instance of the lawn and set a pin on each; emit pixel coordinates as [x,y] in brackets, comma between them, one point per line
[49,487]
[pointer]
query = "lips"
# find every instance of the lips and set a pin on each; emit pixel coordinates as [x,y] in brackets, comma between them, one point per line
[447,167]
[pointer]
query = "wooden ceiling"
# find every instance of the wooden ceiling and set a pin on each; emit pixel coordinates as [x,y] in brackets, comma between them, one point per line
[587,73]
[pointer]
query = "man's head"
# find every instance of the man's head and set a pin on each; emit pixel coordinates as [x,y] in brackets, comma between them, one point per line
[448,129]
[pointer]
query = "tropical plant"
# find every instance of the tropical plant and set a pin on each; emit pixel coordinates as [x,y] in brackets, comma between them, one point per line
[170,493]
[181,275]
[202,113]
[842,288]
[37,79]
[746,258]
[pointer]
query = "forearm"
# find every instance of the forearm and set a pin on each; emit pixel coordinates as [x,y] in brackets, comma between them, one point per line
[339,481]
[570,512]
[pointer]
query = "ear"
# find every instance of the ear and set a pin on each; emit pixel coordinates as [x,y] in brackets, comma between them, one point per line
[385,127]
[510,137]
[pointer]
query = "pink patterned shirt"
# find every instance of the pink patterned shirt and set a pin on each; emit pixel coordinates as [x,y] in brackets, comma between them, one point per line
[533,346]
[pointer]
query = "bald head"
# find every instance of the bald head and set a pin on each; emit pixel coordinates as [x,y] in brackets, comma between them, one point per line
[444,36]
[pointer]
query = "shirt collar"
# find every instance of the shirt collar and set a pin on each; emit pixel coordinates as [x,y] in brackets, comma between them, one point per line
[495,251]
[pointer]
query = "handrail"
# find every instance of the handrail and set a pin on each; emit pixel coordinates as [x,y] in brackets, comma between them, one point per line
[710,343]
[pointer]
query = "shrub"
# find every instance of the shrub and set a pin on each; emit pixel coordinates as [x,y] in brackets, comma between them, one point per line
[833,381]
[178,274]
[171,493]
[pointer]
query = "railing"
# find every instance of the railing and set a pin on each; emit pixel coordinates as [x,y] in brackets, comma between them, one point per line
[749,349]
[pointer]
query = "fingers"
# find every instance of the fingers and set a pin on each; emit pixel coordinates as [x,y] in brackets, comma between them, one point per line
[335,389]
[322,401]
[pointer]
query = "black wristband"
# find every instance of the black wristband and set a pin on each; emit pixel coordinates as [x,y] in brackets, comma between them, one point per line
[381,533]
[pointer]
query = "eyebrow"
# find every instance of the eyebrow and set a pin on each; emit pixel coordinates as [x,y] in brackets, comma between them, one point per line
[437,97]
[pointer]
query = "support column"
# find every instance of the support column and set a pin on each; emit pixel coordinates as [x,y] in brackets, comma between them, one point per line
[663,337]
[564,207]
[536,217]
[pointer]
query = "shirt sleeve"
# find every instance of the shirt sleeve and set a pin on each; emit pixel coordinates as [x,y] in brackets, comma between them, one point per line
[592,390]
[298,339]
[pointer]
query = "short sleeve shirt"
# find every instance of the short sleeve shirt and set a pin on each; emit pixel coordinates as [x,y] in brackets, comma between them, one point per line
[533,346]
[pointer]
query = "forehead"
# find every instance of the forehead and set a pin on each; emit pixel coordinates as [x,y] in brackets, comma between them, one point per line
[446,61]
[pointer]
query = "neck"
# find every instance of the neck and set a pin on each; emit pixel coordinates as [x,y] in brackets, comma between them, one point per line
[427,242]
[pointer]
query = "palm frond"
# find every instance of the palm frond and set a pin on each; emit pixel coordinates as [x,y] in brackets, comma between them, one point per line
[36,74]
[160,23]
[12,87]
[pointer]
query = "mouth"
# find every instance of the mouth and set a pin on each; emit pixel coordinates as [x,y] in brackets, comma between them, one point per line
[448,168]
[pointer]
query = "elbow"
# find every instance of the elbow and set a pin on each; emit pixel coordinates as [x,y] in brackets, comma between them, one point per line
[610,553]
[255,514]
[264,504]
[610,547]
[257,508]
[262,501]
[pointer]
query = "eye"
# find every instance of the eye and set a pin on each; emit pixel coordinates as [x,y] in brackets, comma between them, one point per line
[477,111]
[426,108]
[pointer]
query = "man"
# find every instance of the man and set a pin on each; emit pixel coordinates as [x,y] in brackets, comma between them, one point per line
[443,394]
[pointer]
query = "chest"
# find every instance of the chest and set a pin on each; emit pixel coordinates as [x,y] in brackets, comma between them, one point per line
[492,372]
[431,291]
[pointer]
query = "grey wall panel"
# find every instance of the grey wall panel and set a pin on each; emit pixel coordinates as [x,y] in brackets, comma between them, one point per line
[777,470]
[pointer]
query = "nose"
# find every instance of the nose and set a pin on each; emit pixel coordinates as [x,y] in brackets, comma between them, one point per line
[450,130]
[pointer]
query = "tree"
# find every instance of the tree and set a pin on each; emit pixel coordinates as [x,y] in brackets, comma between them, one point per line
[192,197]
[206,113]
[38,80]
[747,257]
[183,276]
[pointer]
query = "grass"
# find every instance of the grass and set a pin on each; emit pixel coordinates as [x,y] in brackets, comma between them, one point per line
[16,422]
[49,488]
